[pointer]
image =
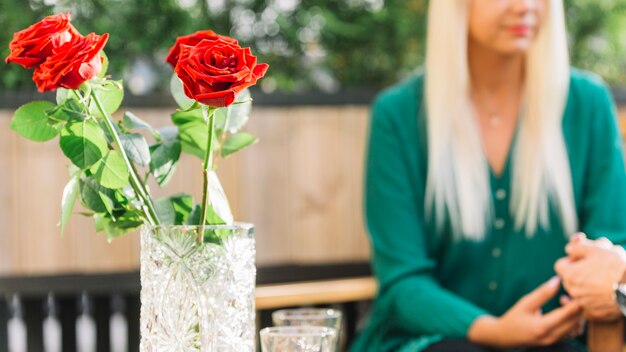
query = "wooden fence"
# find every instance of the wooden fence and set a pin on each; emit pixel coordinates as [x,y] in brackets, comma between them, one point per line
[300,186]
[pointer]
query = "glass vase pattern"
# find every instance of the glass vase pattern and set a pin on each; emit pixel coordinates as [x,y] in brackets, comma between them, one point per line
[197,296]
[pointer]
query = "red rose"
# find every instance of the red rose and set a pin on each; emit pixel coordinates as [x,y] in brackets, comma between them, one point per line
[31,46]
[191,40]
[214,71]
[71,64]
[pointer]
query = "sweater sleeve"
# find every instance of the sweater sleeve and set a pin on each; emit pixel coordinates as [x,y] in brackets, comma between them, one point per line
[415,302]
[604,204]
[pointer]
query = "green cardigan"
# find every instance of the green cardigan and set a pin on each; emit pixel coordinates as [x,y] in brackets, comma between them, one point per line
[433,287]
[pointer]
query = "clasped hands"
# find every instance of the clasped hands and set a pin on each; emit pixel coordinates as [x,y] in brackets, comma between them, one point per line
[588,273]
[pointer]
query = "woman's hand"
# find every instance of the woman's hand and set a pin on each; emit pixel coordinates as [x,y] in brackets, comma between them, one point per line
[524,325]
[589,274]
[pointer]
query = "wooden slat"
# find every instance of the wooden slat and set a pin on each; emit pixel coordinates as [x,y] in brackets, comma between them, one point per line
[315,292]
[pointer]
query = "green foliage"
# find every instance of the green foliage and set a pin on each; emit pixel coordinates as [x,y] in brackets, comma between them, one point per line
[315,44]
[67,110]
[110,94]
[83,143]
[175,209]
[164,157]
[111,170]
[31,121]
[70,193]
[237,142]
[178,93]
[137,148]
[112,161]
[96,197]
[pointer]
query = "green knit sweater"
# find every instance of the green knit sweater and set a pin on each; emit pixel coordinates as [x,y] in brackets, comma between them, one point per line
[433,287]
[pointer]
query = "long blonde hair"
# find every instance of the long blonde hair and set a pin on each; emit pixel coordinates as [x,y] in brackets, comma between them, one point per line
[458,181]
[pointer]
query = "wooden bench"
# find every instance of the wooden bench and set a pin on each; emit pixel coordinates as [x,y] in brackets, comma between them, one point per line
[346,292]
[601,337]
[315,292]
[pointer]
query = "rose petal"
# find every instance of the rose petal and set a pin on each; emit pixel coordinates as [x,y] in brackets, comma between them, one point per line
[217,99]
[71,64]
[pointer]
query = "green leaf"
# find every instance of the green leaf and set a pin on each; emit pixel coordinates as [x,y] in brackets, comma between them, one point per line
[178,92]
[180,118]
[194,216]
[69,110]
[63,94]
[110,94]
[136,148]
[218,202]
[191,131]
[108,203]
[122,224]
[165,210]
[212,218]
[111,171]
[164,157]
[220,116]
[167,132]
[216,236]
[183,204]
[194,138]
[105,65]
[238,113]
[107,132]
[83,143]
[131,121]
[237,142]
[99,220]
[70,192]
[92,193]
[31,121]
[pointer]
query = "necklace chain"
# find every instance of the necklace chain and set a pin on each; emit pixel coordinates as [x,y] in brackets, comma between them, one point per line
[494,119]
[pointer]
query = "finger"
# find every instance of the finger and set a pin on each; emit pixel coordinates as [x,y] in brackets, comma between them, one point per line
[604,242]
[542,294]
[561,315]
[578,249]
[561,266]
[577,237]
[562,331]
[570,324]
[564,300]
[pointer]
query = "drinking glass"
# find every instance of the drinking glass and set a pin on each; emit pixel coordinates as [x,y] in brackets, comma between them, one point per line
[298,339]
[330,318]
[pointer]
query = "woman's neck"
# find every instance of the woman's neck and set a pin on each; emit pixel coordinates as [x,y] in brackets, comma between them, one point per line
[494,74]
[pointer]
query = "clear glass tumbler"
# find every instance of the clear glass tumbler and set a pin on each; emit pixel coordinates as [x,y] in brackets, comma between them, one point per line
[330,318]
[298,339]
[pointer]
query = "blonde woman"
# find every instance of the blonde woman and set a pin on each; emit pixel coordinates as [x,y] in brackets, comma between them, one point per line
[479,169]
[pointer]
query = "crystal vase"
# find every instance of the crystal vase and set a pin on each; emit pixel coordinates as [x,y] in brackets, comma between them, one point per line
[197,296]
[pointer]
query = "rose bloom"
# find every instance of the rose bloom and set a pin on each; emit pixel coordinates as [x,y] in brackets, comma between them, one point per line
[214,71]
[31,46]
[191,40]
[71,64]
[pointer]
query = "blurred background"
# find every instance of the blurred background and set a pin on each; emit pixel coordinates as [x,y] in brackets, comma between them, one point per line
[301,185]
[311,45]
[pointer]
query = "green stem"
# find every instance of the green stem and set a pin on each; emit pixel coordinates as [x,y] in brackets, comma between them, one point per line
[135,182]
[209,116]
